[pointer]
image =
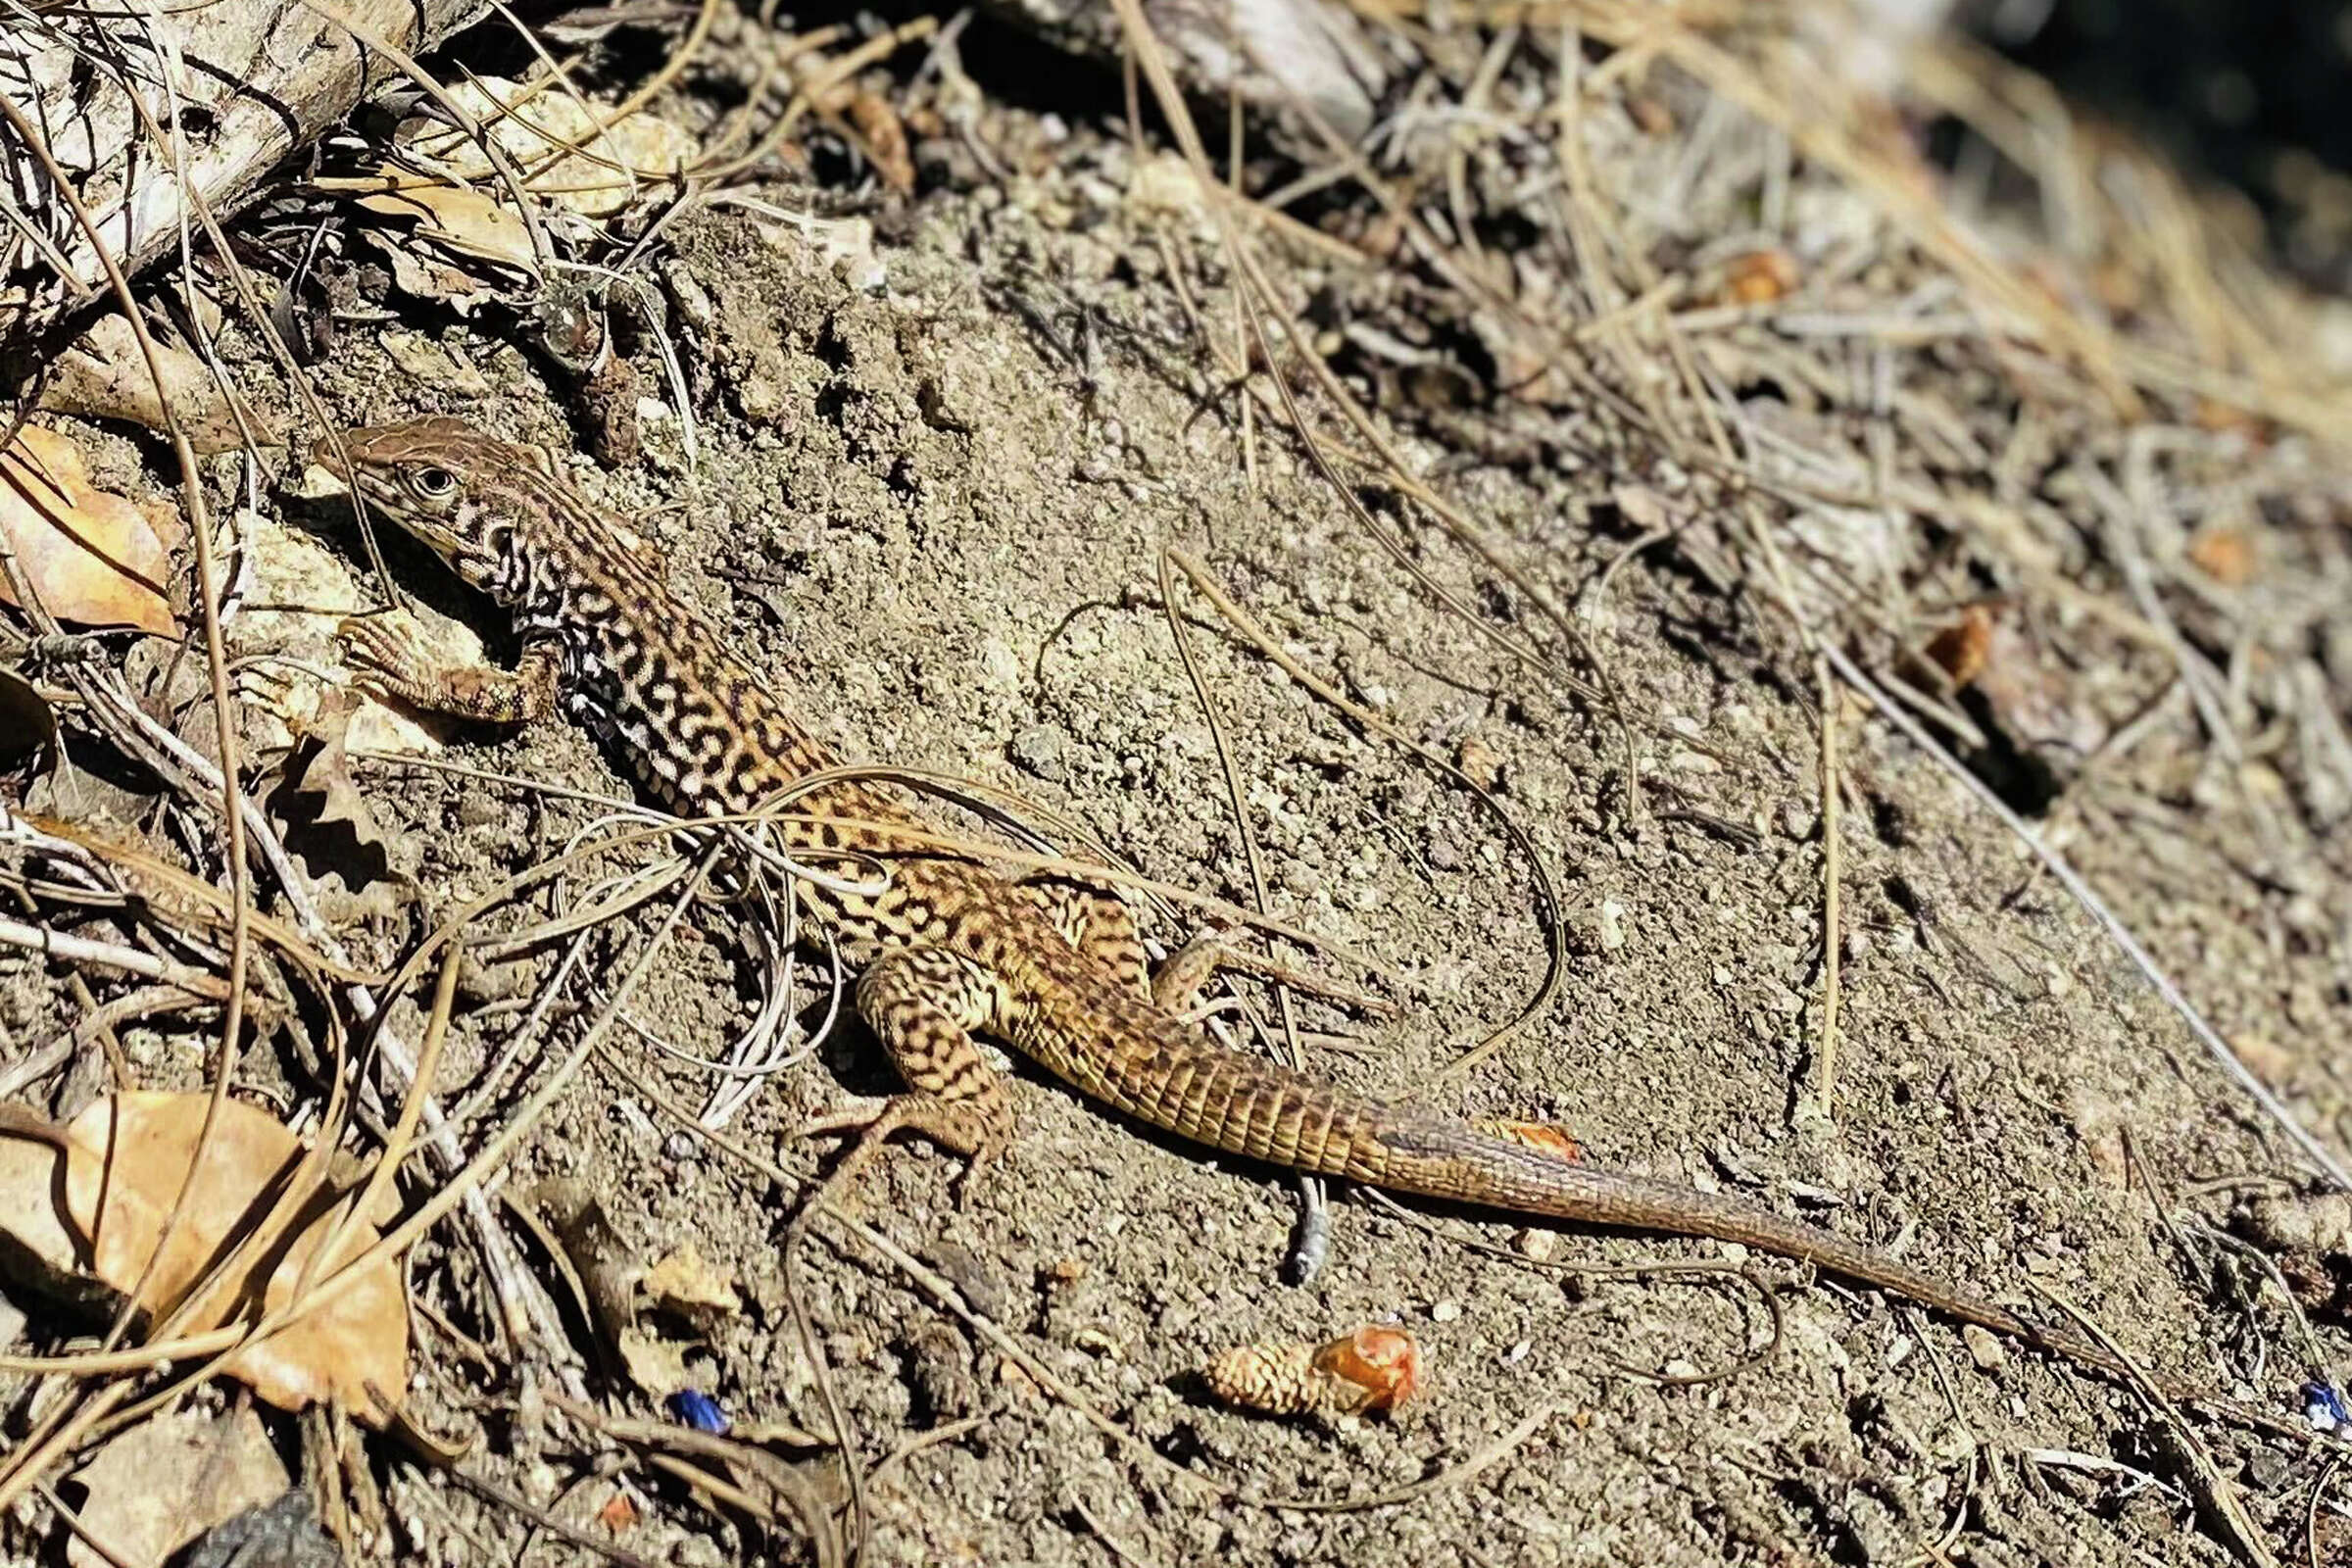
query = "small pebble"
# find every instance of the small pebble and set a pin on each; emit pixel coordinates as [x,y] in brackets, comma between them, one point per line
[1983,1348]
[2267,1469]
[1446,1311]
[1480,763]
[680,1145]
[1039,750]
[1613,925]
[1534,1245]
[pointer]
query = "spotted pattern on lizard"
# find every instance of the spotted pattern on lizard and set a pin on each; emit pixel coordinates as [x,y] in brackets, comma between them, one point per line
[948,949]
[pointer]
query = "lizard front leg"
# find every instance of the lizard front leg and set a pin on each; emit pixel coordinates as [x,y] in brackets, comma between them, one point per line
[390,660]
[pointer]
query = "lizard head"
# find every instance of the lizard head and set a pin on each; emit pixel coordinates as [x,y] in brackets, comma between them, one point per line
[461,492]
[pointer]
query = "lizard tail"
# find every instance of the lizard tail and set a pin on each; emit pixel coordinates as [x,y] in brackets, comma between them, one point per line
[1444,1159]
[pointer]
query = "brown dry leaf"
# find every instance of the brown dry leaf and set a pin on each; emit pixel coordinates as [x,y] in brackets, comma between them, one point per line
[2225,419]
[126,1159]
[162,1484]
[1759,278]
[683,1282]
[91,556]
[1651,115]
[884,137]
[420,274]
[467,223]
[34,1242]
[655,1364]
[1480,763]
[2224,552]
[1964,648]
[328,823]
[536,127]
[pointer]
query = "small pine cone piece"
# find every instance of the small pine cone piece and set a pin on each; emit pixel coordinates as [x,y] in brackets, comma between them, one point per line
[1375,1369]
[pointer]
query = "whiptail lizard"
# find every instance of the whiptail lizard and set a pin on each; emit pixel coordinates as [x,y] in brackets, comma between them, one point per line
[948,949]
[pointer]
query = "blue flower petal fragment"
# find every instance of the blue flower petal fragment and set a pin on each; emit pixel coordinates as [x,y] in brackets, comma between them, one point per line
[696,1409]
[2324,1407]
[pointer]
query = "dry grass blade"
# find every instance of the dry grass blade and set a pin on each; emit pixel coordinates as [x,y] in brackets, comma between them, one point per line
[1452,1475]
[1556,942]
[232,804]
[184,900]
[754,1469]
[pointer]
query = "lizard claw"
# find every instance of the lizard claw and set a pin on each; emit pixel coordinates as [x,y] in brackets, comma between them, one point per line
[980,1162]
[382,662]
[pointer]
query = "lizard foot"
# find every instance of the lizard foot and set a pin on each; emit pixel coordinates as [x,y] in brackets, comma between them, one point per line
[976,1130]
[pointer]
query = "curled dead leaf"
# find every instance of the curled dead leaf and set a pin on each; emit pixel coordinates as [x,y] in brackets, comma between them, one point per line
[655,1364]
[36,1249]
[329,825]
[91,556]
[2225,552]
[1964,648]
[884,137]
[1480,763]
[1651,115]
[683,1282]
[1759,278]
[125,1160]
[468,225]
[171,1479]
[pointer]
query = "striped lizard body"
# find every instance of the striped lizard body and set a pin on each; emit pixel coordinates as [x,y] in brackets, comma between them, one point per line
[948,949]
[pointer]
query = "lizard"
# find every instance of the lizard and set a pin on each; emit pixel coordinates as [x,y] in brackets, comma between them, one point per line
[947,948]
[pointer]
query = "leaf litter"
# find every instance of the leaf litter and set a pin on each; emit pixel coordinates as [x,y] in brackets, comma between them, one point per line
[126,1158]
[90,557]
[170,1480]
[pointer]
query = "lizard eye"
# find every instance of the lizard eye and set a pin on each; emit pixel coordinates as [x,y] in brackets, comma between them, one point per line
[433,483]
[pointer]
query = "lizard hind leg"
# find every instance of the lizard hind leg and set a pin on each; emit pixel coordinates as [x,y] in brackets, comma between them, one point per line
[1099,924]
[923,1004]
